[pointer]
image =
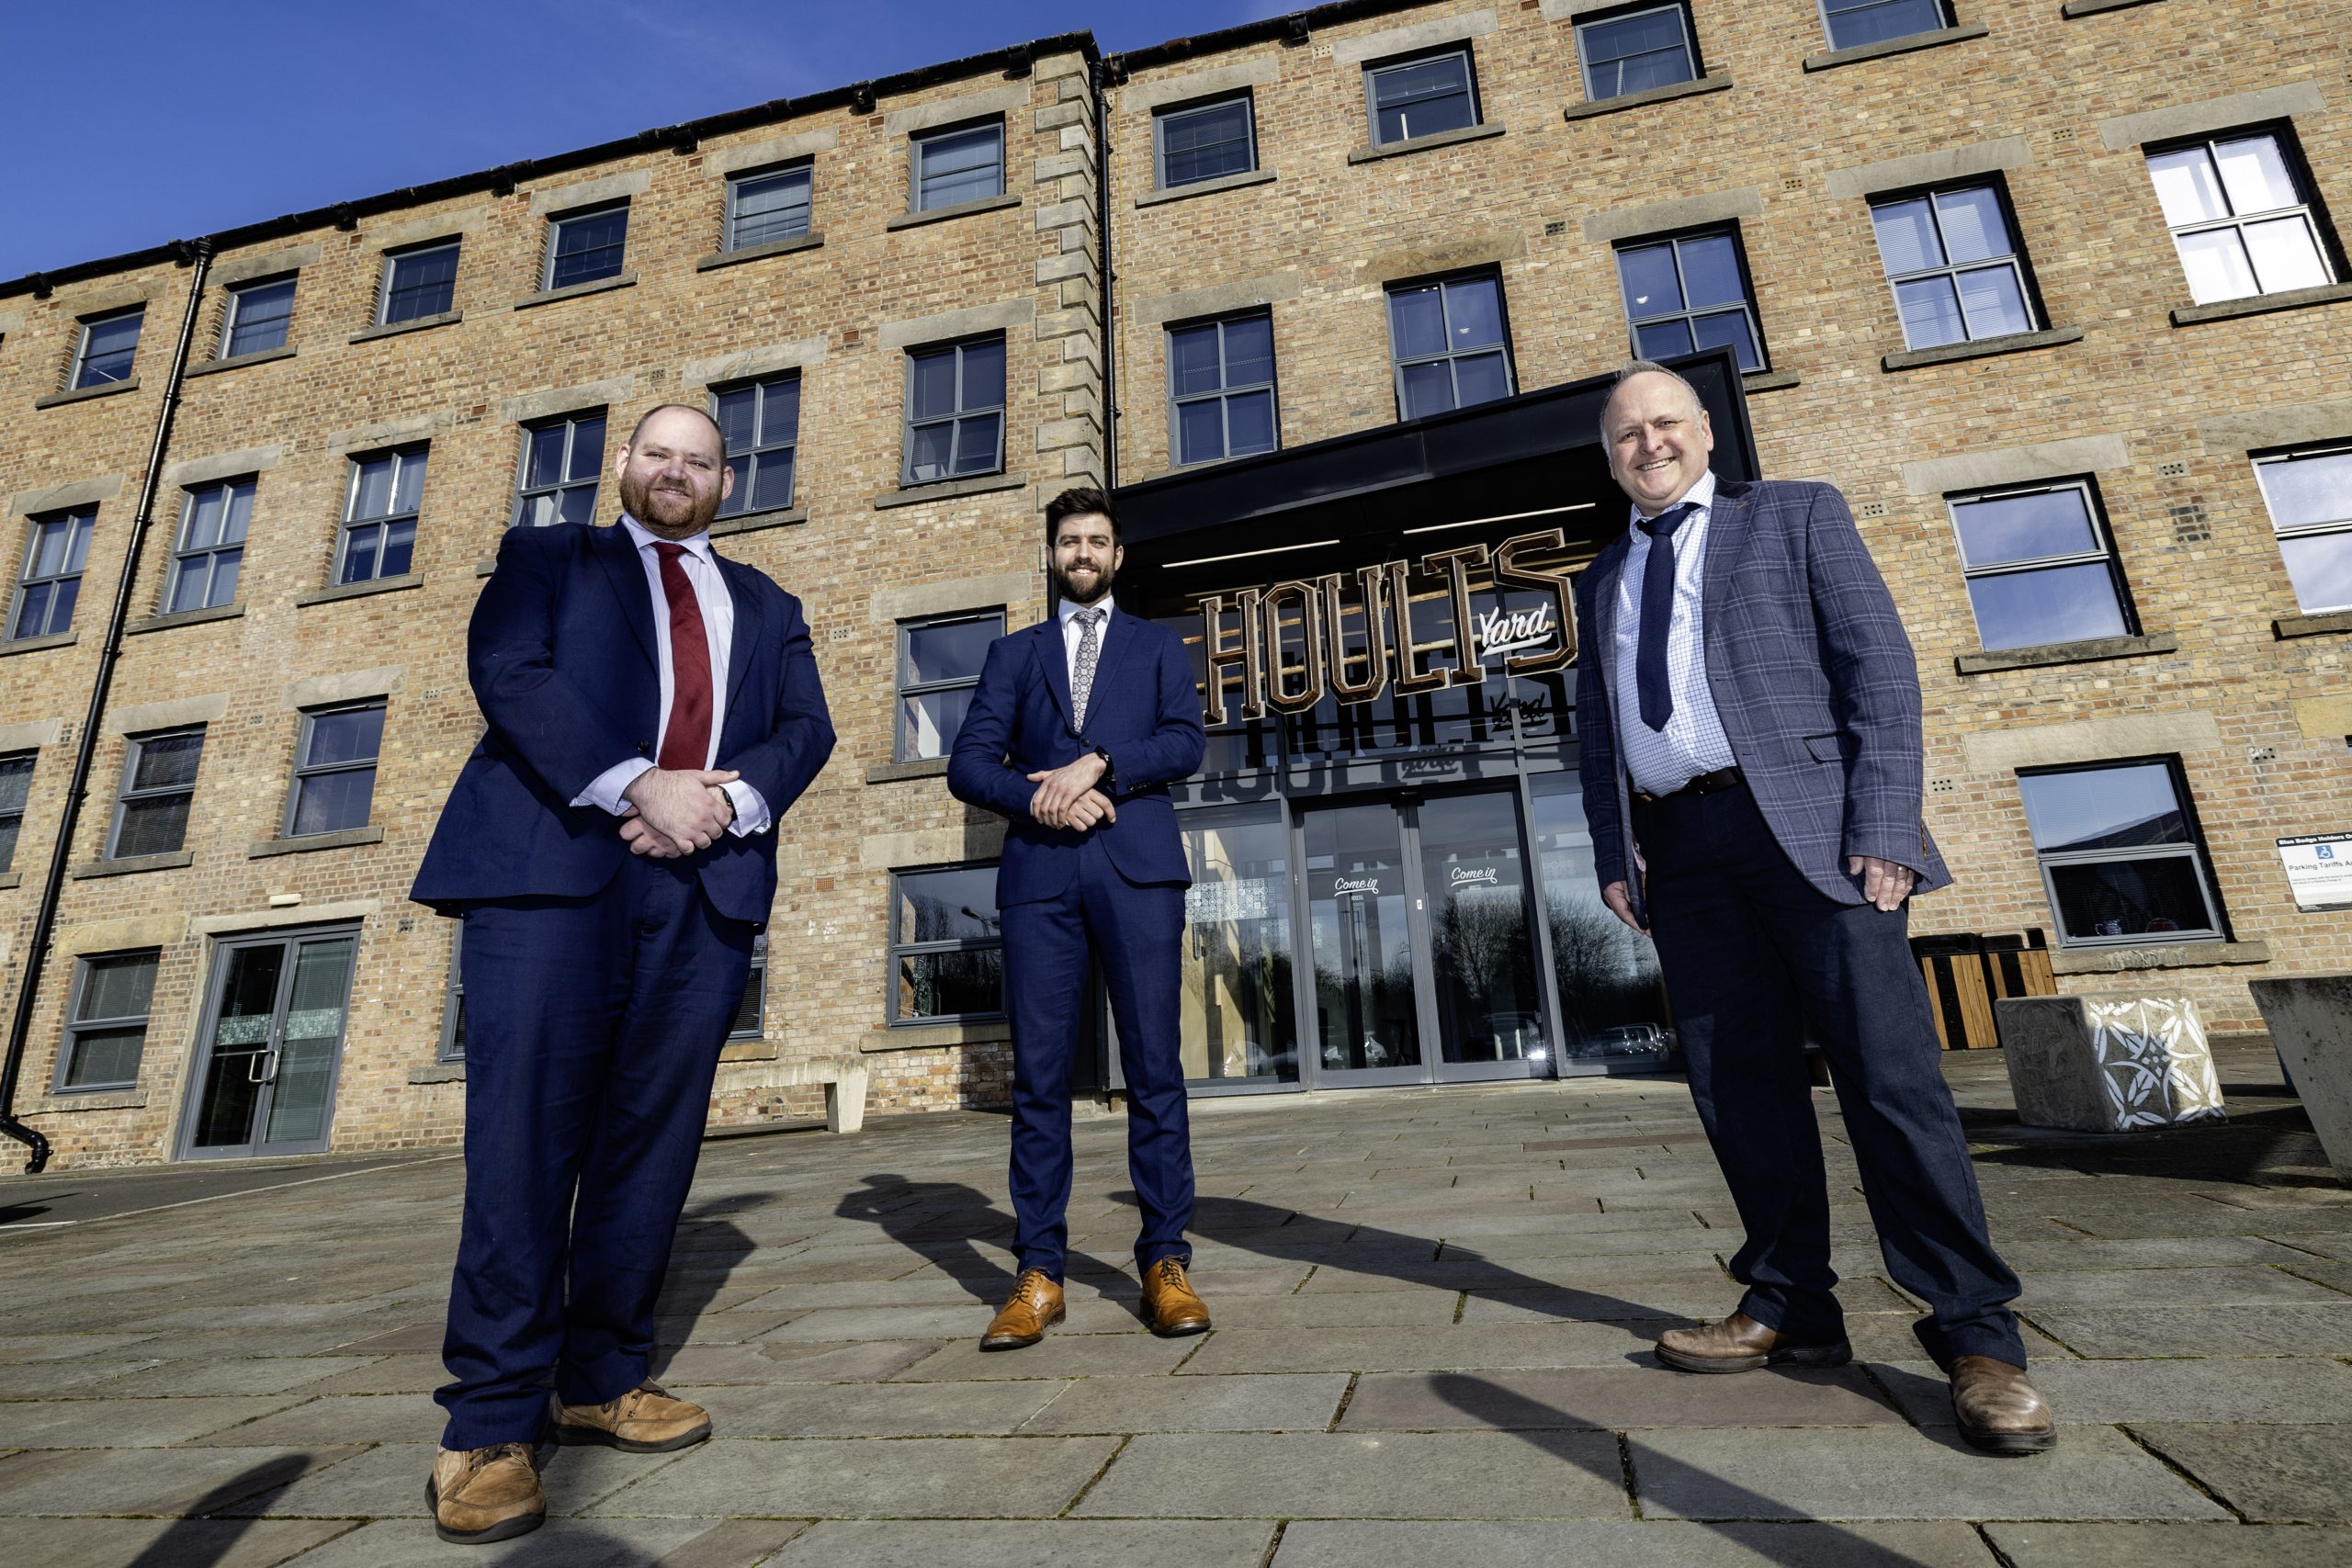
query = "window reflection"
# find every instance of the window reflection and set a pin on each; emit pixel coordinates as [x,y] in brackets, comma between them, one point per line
[1239,1020]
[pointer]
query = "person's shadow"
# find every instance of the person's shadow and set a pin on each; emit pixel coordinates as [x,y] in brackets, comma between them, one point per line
[708,1250]
[945,1222]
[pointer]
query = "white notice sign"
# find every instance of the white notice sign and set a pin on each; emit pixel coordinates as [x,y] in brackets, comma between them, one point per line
[2319,870]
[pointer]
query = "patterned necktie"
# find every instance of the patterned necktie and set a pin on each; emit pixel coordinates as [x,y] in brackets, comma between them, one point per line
[686,743]
[1651,681]
[1081,678]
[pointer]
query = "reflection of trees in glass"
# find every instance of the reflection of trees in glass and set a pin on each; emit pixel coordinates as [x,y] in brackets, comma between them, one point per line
[943,985]
[1244,976]
[1607,975]
[1484,970]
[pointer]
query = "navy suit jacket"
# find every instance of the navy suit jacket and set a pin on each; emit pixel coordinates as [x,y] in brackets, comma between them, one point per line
[562,655]
[1812,676]
[1143,710]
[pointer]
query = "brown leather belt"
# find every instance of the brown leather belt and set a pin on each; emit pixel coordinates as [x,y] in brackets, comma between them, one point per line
[1705,783]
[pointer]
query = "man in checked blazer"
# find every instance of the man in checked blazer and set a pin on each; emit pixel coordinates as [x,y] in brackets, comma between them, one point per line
[1077,729]
[1749,709]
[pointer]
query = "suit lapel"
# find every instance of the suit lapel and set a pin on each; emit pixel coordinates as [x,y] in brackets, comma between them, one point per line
[1055,663]
[1608,571]
[1726,529]
[750,625]
[626,574]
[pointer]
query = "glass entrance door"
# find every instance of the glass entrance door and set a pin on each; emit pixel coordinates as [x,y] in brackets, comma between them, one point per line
[1612,1001]
[1481,940]
[273,1039]
[1367,987]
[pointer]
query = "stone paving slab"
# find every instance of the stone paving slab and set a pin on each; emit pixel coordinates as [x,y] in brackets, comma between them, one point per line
[1546,1476]
[916,1478]
[1461,1346]
[560,1543]
[2272,1474]
[1336,1309]
[1065,1543]
[834,1324]
[413,1374]
[2318,1329]
[1058,1354]
[388,1482]
[2268,1389]
[2173,1287]
[1303,1402]
[1318,1543]
[1613,1399]
[65,1380]
[875,1410]
[129,1423]
[1693,1296]
[215,1544]
[345,1418]
[2152,1252]
[157,1481]
[2145,1546]
[264,1375]
[18,1347]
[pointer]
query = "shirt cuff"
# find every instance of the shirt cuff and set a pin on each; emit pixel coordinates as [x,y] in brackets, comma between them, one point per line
[605,790]
[751,810]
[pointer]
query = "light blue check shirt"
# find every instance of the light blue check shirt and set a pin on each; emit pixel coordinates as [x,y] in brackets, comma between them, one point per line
[1694,741]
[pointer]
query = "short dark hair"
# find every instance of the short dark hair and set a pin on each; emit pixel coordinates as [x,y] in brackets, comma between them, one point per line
[1078,503]
[703,413]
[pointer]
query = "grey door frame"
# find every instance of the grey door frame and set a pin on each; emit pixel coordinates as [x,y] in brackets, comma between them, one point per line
[208,1022]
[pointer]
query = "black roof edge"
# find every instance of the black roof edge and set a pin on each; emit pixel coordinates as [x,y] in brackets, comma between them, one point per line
[1296,26]
[1014,58]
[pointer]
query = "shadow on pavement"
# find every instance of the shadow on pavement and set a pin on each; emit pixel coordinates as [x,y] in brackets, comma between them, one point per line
[942,1221]
[707,1249]
[197,1541]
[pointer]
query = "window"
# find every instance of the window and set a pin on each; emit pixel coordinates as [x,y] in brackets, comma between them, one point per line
[453,1001]
[587,247]
[965,164]
[2310,497]
[2121,859]
[2240,208]
[954,411]
[379,515]
[1221,388]
[1451,348]
[759,425]
[1635,53]
[211,548]
[1420,96]
[562,461]
[947,949]
[107,1027]
[1690,293]
[1954,261]
[257,317]
[15,788]
[752,1012]
[1205,142]
[939,666]
[334,768]
[419,282]
[765,206]
[1853,23]
[51,580]
[158,784]
[2040,565]
[110,344]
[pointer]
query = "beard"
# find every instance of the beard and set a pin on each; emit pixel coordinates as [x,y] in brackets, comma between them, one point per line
[671,509]
[1064,588]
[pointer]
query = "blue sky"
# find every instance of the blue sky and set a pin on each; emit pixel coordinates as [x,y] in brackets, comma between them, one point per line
[132,123]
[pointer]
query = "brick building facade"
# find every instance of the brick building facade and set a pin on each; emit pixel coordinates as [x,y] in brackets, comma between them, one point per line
[2022,137]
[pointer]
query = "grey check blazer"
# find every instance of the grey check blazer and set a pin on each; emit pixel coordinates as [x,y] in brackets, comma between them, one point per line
[1812,675]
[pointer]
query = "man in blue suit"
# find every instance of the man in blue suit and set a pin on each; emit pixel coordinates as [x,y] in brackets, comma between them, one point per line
[652,709]
[1079,726]
[1749,717]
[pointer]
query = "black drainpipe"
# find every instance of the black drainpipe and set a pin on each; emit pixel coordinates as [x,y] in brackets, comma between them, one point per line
[1104,70]
[199,254]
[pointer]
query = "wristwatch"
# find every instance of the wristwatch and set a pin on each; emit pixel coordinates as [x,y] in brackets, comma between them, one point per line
[1108,782]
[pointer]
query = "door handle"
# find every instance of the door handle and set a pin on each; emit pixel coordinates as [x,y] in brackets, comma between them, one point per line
[253,1066]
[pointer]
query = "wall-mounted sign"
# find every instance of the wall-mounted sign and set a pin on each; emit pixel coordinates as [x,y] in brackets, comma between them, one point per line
[2319,870]
[1293,649]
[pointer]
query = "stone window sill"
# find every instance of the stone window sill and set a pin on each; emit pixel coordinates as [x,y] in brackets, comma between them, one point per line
[2159,955]
[749,1051]
[438,1072]
[131,864]
[259,356]
[753,521]
[1880,51]
[484,567]
[36,643]
[1982,348]
[1717,84]
[955,209]
[2074,8]
[935,1036]
[93,1099]
[2262,304]
[1454,138]
[345,839]
[1755,381]
[11,879]
[947,490]
[1206,187]
[575,290]
[891,772]
[183,618]
[360,590]
[83,394]
[2086,651]
[2320,625]
[807,242]
[413,324]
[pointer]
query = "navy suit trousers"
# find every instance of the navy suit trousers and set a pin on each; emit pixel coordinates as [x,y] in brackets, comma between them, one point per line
[593,1033]
[1753,952]
[1135,931]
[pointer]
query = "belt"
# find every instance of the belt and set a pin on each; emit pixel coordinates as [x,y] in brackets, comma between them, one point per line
[1715,783]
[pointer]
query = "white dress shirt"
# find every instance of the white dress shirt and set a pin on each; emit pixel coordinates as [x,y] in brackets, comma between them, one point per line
[718,606]
[1072,631]
[1694,741]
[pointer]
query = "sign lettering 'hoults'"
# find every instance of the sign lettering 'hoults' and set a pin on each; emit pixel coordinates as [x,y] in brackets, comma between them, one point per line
[1292,648]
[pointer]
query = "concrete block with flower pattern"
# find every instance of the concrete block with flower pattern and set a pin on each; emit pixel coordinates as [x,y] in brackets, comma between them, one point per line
[2108,1061]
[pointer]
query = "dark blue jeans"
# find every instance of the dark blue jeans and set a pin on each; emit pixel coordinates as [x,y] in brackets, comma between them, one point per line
[1753,952]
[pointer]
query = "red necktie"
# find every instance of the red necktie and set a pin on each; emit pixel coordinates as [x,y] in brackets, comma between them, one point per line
[685,744]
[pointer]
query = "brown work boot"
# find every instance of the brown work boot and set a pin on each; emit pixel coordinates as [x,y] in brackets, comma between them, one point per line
[485,1495]
[1034,1306]
[1740,1344]
[1169,1304]
[1998,1410]
[645,1420]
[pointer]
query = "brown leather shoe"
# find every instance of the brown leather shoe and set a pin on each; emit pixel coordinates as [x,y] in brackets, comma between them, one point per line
[1034,1306]
[1740,1344]
[485,1495]
[1169,1304]
[1998,1410]
[645,1420]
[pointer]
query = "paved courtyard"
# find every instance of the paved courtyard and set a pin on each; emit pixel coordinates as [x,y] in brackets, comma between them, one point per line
[1433,1318]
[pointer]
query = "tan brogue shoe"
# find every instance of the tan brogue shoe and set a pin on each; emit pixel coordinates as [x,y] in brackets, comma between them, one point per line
[1998,1410]
[645,1420]
[1034,1306]
[485,1495]
[1740,1344]
[1169,1304]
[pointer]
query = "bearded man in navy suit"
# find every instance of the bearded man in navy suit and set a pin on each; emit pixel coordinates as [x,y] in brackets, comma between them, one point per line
[650,711]
[1749,716]
[1077,729]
